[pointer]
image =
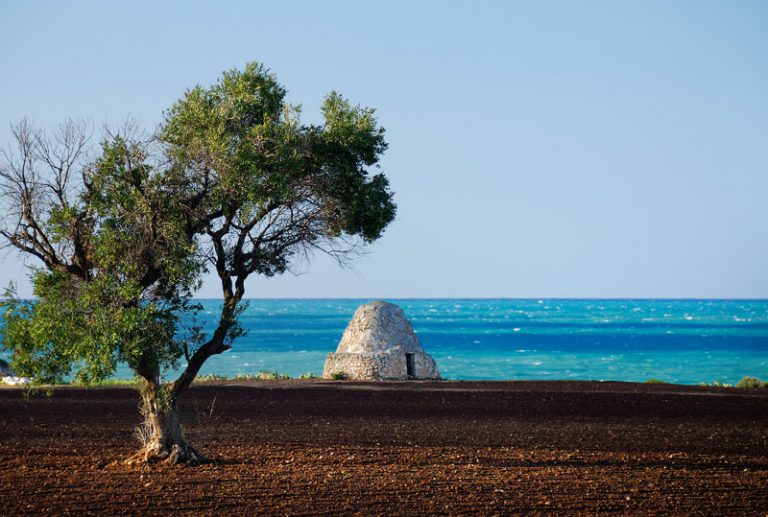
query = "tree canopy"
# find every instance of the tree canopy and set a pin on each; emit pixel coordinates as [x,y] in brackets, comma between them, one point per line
[232,181]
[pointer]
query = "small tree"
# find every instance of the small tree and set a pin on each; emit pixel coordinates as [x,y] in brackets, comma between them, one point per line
[231,181]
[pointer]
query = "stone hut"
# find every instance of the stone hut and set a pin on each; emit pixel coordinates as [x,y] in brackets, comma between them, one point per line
[379,343]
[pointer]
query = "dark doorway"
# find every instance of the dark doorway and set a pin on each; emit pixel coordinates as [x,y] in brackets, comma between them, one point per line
[410,366]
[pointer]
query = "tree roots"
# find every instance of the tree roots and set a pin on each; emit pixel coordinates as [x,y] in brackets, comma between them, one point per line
[173,455]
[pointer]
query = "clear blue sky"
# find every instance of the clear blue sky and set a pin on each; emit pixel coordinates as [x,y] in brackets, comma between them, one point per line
[537,149]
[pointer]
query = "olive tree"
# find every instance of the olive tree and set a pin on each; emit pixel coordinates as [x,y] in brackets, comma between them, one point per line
[231,182]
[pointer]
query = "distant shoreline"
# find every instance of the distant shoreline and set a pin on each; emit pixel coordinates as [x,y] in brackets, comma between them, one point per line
[678,341]
[440,385]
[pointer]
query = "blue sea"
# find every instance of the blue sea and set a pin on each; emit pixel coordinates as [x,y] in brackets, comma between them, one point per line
[678,341]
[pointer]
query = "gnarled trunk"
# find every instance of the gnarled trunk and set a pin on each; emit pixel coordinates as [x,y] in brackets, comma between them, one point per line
[161,430]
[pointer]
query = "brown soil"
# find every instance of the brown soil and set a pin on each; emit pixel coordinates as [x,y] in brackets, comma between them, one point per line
[314,447]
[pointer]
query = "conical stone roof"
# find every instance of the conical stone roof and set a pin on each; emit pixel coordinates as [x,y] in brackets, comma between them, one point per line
[379,327]
[379,343]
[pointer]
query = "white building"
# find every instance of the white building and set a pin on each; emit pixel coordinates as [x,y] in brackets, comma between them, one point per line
[379,343]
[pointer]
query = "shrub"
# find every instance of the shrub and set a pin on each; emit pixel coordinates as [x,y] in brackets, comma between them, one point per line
[308,375]
[102,383]
[656,381]
[751,383]
[211,377]
[117,382]
[271,376]
[263,375]
[338,376]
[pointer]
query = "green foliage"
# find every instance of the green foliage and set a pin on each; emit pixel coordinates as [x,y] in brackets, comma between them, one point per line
[717,384]
[86,327]
[234,180]
[132,383]
[747,382]
[211,377]
[751,383]
[266,376]
[263,375]
[338,376]
[136,271]
[307,376]
[263,164]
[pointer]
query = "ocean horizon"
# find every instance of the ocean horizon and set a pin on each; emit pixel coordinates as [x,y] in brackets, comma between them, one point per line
[684,341]
[681,341]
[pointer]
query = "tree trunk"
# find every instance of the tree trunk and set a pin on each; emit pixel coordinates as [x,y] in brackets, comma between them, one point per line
[161,431]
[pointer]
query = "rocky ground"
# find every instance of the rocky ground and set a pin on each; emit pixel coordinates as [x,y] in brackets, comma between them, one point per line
[316,447]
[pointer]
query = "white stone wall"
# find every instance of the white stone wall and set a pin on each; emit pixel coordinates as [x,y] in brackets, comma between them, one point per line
[375,344]
[355,366]
[379,366]
[426,367]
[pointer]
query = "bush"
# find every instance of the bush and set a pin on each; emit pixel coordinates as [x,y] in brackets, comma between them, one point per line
[338,376]
[271,376]
[308,375]
[262,376]
[210,377]
[104,383]
[655,381]
[117,382]
[751,383]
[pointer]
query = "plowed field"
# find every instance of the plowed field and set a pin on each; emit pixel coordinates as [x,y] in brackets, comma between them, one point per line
[418,448]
